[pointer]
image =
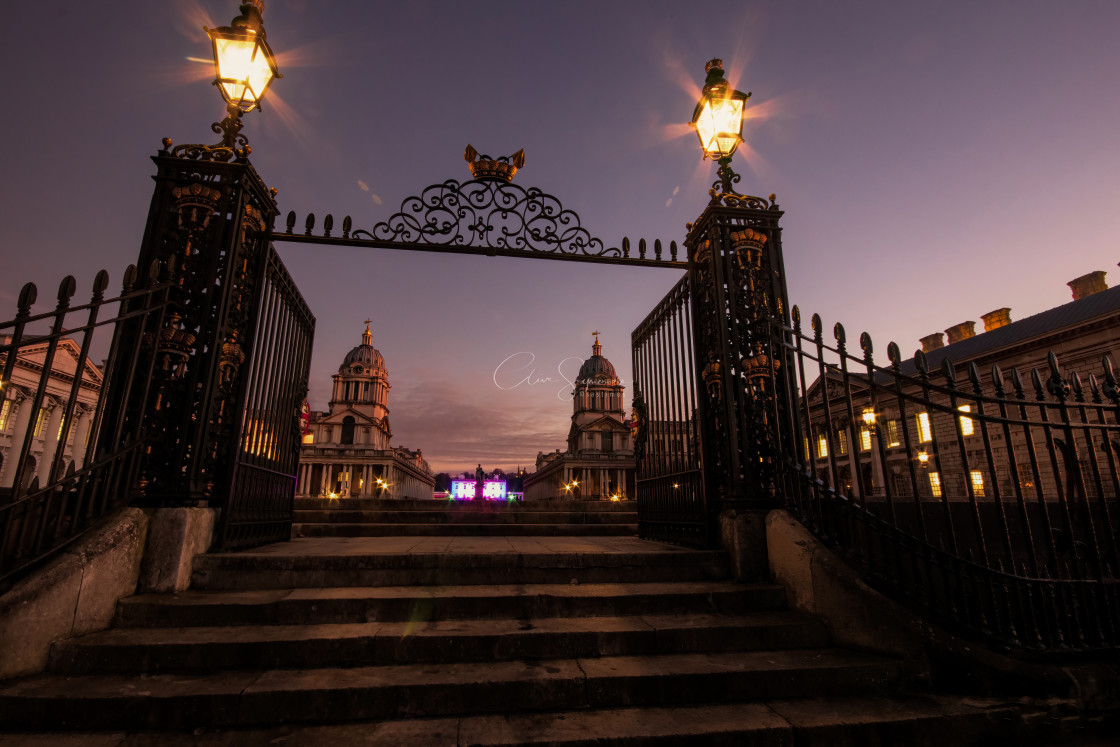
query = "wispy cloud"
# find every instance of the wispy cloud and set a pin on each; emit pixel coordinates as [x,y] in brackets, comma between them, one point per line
[457,429]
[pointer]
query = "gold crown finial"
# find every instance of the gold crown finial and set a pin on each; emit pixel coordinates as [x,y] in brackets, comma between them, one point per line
[367,336]
[486,167]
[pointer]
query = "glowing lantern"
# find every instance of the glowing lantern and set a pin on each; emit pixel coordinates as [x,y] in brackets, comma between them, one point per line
[718,117]
[243,61]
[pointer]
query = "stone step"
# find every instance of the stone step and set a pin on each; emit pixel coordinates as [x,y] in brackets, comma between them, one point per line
[343,515]
[249,698]
[458,529]
[445,561]
[391,504]
[153,650]
[432,603]
[915,721]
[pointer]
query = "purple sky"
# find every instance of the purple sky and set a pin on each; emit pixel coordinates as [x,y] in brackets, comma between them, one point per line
[936,161]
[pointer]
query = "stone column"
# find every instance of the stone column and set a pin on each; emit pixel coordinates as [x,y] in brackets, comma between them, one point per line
[50,443]
[23,422]
[78,442]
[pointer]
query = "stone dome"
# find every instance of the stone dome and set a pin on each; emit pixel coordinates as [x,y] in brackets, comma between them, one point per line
[597,367]
[365,355]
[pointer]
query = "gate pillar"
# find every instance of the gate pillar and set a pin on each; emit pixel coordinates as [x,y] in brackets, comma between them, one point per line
[207,229]
[737,278]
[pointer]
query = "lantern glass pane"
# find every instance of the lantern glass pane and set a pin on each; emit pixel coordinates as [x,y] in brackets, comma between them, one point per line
[719,124]
[234,58]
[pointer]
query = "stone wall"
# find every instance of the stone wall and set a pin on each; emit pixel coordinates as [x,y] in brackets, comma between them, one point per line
[74,594]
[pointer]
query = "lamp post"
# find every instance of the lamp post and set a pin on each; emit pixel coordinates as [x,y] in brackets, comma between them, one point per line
[244,67]
[208,237]
[737,285]
[718,121]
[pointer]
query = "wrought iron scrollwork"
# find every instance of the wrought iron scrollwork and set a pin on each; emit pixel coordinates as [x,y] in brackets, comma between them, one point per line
[488,213]
[723,192]
[233,147]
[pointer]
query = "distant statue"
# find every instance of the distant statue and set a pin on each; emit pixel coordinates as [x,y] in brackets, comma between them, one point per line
[479,481]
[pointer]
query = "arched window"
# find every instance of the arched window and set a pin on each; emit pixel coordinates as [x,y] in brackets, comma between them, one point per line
[347,430]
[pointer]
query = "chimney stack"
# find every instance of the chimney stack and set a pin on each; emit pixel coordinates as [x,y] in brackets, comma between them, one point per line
[932,342]
[961,331]
[996,319]
[1087,285]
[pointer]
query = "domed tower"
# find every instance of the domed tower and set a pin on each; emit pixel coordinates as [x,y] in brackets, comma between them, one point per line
[599,461]
[598,411]
[360,396]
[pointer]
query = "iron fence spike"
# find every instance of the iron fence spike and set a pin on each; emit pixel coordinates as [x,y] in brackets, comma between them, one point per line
[27,295]
[949,371]
[66,290]
[997,380]
[100,283]
[290,221]
[328,224]
[974,376]
[1094,389]
[1036,381]
[894,355]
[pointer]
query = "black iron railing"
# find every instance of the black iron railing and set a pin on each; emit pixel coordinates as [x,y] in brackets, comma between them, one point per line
[67,455]
[987,500]
[670,485]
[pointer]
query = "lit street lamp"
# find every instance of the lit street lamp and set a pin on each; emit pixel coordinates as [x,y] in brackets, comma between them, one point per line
[718,119]
[244,66]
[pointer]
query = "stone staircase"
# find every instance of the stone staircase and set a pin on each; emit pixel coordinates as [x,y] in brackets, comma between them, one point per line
[371,517]
[487,640]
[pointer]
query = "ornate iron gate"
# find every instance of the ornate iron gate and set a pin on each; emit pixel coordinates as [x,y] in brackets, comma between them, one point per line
[265,463]
[672,504]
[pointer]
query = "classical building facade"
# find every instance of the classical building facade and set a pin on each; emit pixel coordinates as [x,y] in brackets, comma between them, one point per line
[347,451]
[16,404]
[599,461]
[941,442]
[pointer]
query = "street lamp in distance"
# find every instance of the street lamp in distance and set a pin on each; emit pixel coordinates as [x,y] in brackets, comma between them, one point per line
[718,120]
[244,66]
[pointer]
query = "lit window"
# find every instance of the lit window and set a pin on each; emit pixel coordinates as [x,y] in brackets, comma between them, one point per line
[822,447]
[5,410]
[925,433]
[935,484]
[977,483]
[309,438]
[865,439]
[893,437]
[966,423]
[39,422]
[806,445]
[842,442]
